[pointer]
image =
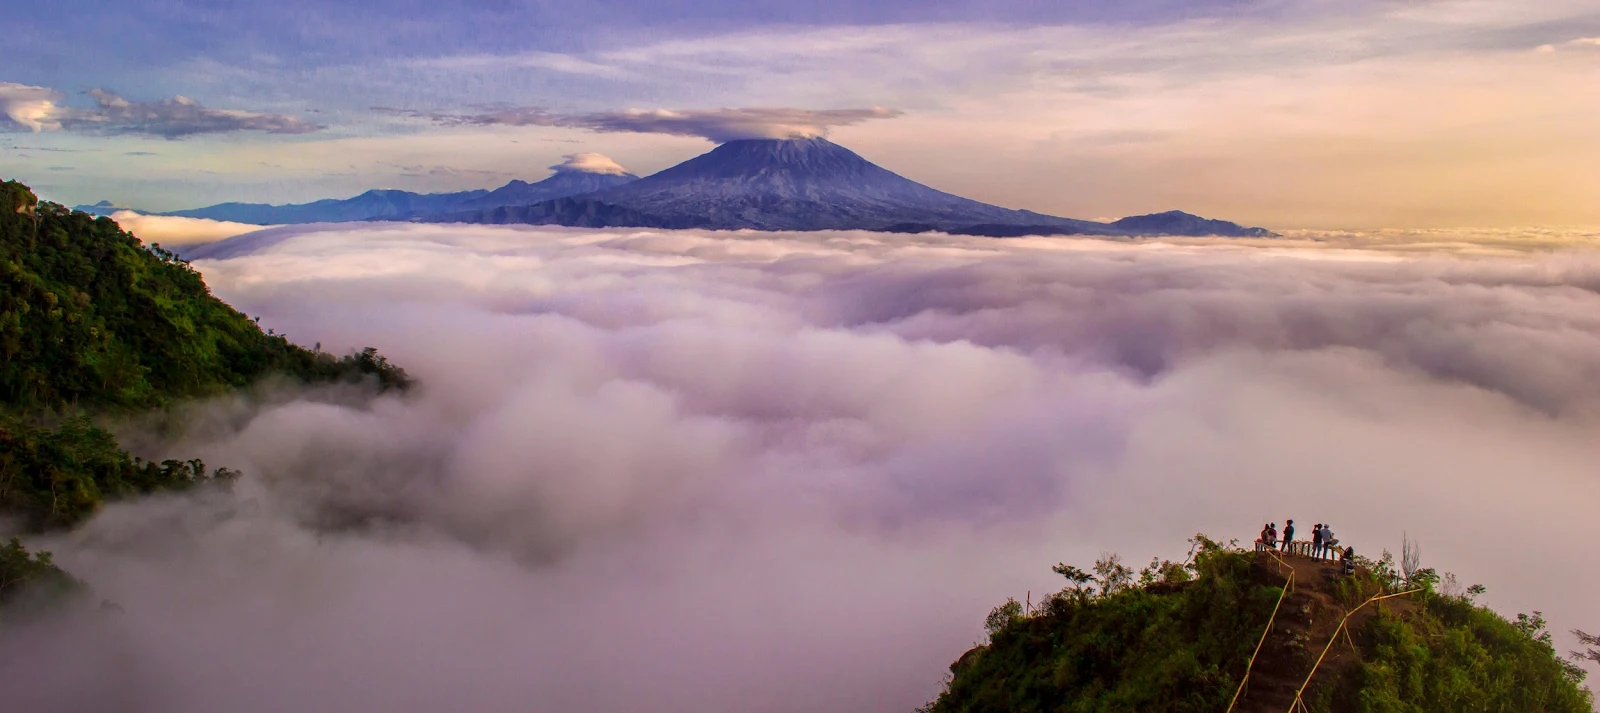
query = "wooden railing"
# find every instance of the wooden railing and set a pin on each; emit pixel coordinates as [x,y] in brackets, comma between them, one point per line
[1302,548]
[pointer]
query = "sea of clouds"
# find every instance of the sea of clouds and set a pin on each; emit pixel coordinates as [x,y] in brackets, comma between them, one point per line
[689,471]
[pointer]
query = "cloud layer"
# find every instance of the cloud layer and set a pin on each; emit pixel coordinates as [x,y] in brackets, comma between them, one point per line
[39,109]
[686,471]
[171,231]
[718,125]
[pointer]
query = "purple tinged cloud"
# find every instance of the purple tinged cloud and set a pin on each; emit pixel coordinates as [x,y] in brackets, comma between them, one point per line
[719,125]
[590,162]
[684,471]
[39,109]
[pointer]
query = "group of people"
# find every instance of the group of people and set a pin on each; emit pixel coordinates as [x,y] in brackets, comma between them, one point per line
[1323,544]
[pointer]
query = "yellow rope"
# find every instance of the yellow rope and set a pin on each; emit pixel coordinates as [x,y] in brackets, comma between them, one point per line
[1335,637]
[1286,587]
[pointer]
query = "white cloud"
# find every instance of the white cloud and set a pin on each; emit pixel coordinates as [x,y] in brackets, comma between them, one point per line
[39,109]
[686,471]
[552,61]
[590,162]
[171,231]
[33,108]
[715,124]
[177,117]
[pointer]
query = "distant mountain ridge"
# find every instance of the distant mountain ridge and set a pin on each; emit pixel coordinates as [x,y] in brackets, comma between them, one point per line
[1177,222]
[379,203]
[810,184]
[560,185]
[1174,223]
[105,208]
[768,184]
[748,184]
[390,204]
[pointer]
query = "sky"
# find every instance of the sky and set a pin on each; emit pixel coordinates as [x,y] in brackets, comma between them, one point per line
[791,472]
[1309,114]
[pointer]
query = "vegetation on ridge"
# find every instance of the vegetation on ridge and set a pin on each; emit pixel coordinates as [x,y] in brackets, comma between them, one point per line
[1180,637]
[93,322]
[90,318]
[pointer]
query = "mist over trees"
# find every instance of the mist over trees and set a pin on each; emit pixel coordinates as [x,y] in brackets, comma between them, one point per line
[899,429]
[94,324]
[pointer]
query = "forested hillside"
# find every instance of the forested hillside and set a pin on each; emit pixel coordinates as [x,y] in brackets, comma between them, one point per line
[95,324]
[91,318]
[1182,638]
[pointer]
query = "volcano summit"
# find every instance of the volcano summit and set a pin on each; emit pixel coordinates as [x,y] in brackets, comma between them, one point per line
[773,184]
[754,184]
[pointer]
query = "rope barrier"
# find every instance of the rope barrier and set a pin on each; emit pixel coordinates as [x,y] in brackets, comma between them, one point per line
[1298,702]
[1286,587]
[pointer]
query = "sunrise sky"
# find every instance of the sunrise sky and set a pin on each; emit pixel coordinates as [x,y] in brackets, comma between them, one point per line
[1305,114]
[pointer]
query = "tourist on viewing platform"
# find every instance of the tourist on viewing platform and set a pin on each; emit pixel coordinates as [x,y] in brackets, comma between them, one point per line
[1328,542]
[1288,535]
[1349,560]
[1316,541]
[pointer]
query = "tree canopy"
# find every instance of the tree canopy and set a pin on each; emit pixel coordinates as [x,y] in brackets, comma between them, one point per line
[94,323]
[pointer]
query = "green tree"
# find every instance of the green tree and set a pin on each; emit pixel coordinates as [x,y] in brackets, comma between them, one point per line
[93,322]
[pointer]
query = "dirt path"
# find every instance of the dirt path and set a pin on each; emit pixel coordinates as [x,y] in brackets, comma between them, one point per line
[1307,619]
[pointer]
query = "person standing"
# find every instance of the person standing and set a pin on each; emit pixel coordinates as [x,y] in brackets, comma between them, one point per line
[1329,542]
[1288,535]
[1316,541]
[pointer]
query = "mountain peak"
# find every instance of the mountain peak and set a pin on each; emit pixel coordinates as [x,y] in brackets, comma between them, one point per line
[793,146]
[807,160]
[797,183]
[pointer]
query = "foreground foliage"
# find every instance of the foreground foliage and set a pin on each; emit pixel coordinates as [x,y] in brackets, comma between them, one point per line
[94,323]
[55,477]
[91,318]
[1106,645]
[22,572]
[1450,655]
[1180,638]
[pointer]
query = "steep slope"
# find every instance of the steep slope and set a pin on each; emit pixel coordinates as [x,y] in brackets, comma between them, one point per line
[770,184]
[93,324]
[1182,638]
[90,318]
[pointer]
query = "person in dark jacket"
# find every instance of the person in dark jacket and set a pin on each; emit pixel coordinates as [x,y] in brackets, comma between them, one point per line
[1288,535]
[1349,560]
[1316,541]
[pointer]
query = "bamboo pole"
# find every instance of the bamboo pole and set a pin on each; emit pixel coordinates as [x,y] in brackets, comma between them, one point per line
[1335,637]
[1287,585]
